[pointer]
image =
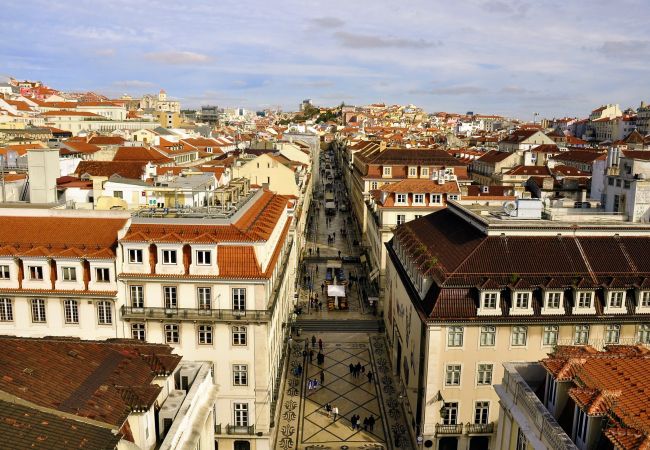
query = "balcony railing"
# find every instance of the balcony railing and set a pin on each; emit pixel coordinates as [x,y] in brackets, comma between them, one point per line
[233,429]
[210,315]
[479,428]
[449,429]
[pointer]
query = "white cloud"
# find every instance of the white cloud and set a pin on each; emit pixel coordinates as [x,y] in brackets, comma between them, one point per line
[178,57]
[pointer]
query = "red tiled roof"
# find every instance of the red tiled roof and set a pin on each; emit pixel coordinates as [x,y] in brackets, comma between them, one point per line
[420,186]
[581,156]
[125,169]
[141,154]
[238,261]
[529,170]
[494,156]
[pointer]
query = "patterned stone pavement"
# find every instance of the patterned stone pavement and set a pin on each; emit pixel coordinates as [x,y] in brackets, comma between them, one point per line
[304,423]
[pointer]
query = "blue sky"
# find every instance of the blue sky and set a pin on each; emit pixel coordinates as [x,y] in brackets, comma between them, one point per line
[512,57]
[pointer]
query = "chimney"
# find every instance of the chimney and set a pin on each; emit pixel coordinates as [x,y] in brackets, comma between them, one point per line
[44,168]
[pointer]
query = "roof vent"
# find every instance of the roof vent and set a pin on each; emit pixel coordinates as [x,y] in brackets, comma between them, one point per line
[73,353]
[28,371]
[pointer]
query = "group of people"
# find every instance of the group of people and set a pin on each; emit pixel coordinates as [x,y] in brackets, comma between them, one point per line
[332,411]
[357,369]
[368,422]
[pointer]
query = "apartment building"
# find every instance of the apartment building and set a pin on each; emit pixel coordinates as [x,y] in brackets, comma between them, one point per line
[215,286]
[524,139]
[468,288]
[627,189]
[577,398]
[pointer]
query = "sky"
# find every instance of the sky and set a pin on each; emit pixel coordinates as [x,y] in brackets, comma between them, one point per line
[510,57]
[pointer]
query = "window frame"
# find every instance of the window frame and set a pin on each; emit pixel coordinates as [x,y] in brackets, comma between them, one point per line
[455,336]
[238,300]
[400,219]
[38,308]
[104,312]
[168,297]
[487,295]
[204,303]
[643,333]
[6,310]
[5,272]
[581,334]
[437,197]
[33,271]
[137,329]
[582,296]
[172,333]
[240,374]
[448,418]
[205,334]
[518,330]
[487,330]
[550,330]
[136,287]
[241,413]
[167,257]
[453,374]
[612,330]
[105,276]
[71,311]
[522,298]
[401,199]
[484,374]
[619,296]
[549,296]
[200,261]
[66,272]
[416,201]
[239,333]
[132,256]
[481,412]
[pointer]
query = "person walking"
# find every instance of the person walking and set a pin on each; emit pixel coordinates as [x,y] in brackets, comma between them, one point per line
[322,288]
[318,251]
[358,368]
[313,341]
[322,377]
[351,369]
[339,254]
[311,356]
[365,424]
[353,421]
[320,344]
[371,422]
[369,377]
[335,412]
[328,409]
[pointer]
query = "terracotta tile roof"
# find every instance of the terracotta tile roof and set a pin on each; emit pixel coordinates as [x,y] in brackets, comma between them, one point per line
[25,428]
[69,113]
[141,154]
[580,156]
[81,147]
[637,154]
[505,192]
[85,378]
[420,186]
[404,156]
[519,135]
[494,156]
[20,149]
[568,171]
[546,148]
[106,140]
[132,170]
[529,170]
[52,236]
[238,261]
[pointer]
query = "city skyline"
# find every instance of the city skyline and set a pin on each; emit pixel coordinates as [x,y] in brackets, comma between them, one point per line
[505,57]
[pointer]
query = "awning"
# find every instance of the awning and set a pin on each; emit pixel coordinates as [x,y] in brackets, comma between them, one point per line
[336,290]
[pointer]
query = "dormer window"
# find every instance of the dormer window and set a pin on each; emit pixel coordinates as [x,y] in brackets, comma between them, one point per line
[585,300]
[490,300]
[553,300]
[436,199]
[413,171]
[169,256]
[135,256]
[203,257]
[35,272]
[644,301]
[522,300]
[418,199]
[400,198]
[424,172]
[616,299]
[388,171]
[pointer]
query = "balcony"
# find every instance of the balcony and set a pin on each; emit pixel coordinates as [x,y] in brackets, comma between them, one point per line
[234,429]
[193,314]
[449,429]
[479,428]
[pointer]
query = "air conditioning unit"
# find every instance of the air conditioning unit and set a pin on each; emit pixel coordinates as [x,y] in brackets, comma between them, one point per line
[168,411]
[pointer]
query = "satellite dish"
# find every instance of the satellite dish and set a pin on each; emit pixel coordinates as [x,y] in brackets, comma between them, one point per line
[510,208]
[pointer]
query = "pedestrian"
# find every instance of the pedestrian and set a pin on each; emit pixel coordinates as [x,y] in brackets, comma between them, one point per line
[318,251]
[334,235]
[304,280]
[322,377]
[358,367]
[304,354]
[309,251]
[351,369]
[371,422]
[328,408]
[311,355]
[353,421]
[320,344]
[320,306]
[369,377]
[363,369]
[313,341]
[320,358]
[339,254]
[365,424]
[322,288]
[335,412]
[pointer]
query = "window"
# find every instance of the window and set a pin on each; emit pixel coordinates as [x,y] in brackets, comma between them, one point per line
[104,313]
[6,310]
[490,300]
[373,185]
[38,310]
[449,413]
[553,300]
[522,300]
[205,297]
[612,333]
[102,275]
[387,171]
[488,336]
[170,297]
[418,198]
[436,199]
[413,171]
[401,218]
[203,257]
[610,181]
[205,334]
[238,335]
[452,375]
[550,334]
[417,216]
[424,171]
[484,374]
[519,334]
[644,333]
[172,335]
[481,413]
[241,414]
[169,256]
[4,272]
[118,194]
[400,198]
[138,331]
[71,311]
[69,273]
[137,296]
[240,375]
[616,299]
[581,334]
[455,337]
[35,273]
[645,299]
[584,299]
[522,442]
[239,299]
[452,196]
[135,256]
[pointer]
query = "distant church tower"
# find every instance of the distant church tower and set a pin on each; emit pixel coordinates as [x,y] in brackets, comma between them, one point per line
[162,96]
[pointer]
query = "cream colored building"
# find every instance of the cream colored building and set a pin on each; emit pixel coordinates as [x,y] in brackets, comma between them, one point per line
[267,169]
[469,288]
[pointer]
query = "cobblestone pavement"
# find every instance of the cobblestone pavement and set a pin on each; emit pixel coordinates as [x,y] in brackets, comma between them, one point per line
[304,423]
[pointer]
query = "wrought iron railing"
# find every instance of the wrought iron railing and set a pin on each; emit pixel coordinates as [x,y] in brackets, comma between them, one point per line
[157,313]
[442,428]
[479,428]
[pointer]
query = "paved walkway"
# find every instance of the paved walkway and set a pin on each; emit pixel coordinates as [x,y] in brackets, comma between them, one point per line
[304,423]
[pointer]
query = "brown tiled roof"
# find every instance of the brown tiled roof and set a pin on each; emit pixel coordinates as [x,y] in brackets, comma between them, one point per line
[53,236]
[132,170]
[399,156]
[85,378]
[637,154]
[106,140]
[420,186]
[494,156]
[141,154]
[25,428]
[529,170]
[506,192]
[580,156]
[519,135]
